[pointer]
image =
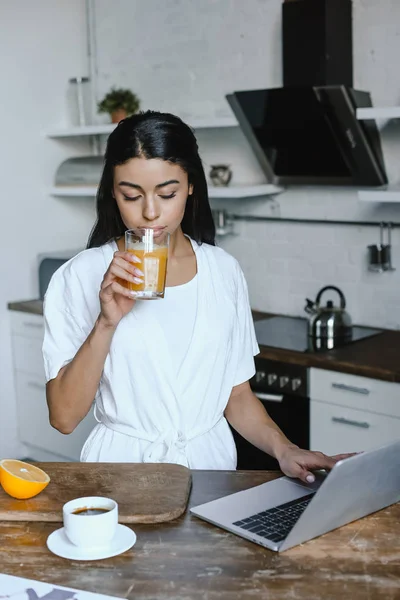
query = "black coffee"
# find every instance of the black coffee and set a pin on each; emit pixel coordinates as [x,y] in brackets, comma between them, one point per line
[90,511]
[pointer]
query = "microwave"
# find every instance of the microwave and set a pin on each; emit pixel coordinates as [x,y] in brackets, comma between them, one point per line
[48,263]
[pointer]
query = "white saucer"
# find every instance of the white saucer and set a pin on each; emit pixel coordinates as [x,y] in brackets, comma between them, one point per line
[59,544]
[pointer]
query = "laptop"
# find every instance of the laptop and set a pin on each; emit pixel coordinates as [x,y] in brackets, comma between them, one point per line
[286,512]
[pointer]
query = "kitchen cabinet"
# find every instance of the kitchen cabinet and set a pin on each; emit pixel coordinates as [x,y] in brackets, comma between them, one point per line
[350,413]
[42,441]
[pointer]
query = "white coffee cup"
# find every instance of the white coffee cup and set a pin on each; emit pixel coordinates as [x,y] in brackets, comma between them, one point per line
[87,528]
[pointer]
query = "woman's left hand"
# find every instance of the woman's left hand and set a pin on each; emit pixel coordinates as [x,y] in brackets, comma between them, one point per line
[296,462]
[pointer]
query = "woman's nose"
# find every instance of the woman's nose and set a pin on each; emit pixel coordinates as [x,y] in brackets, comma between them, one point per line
[150,210]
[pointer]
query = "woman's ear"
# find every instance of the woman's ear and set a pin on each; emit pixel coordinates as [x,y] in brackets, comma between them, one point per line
[190,189]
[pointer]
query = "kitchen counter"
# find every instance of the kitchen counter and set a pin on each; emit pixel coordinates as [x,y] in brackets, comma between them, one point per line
[34,307]
[376,357]
[189,558]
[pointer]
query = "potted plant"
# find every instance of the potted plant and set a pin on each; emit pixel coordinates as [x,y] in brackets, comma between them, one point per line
[119,103]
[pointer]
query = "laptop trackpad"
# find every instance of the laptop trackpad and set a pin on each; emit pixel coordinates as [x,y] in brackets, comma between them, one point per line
[320,477]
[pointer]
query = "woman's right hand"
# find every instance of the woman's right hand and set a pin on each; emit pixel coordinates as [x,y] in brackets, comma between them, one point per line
[115,299]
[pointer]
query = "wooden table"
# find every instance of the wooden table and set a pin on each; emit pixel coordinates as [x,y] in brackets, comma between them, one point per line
[189,558]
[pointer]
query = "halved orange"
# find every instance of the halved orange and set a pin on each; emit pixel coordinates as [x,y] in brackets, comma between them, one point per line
[22,480]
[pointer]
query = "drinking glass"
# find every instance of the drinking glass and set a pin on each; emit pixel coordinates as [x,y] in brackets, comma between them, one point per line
[151,247]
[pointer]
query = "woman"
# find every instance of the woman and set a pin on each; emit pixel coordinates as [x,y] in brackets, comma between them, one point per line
[166,376]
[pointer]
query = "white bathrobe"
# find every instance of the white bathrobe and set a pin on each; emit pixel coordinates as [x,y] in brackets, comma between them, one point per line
[147,412]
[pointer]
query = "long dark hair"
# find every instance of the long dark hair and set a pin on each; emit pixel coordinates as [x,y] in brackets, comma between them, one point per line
[153,135]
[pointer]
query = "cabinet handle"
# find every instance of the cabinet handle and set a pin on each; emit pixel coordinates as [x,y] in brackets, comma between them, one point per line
[350,388]
[344,421]
[34,325]
[37,386]
[272,397]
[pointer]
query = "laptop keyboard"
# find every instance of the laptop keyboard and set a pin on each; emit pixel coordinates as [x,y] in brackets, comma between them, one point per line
[275,523]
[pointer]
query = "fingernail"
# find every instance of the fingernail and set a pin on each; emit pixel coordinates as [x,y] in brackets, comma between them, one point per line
[138,272]
[137,280]
[310,478]
[135,258]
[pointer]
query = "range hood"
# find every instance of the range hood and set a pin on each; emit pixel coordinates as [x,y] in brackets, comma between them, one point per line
[310,135]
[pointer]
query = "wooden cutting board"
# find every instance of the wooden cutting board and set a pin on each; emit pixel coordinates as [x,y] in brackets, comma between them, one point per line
[145,493]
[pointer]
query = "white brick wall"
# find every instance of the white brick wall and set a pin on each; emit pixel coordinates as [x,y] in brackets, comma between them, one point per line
[184,57]
[284,263]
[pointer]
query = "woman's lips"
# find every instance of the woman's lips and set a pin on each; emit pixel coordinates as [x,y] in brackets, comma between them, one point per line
[157,231]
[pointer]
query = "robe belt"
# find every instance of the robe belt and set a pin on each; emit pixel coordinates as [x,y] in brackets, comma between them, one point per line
[163,445]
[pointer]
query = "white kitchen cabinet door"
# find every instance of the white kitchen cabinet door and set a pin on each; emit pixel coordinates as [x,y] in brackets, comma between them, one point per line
[335,429]
[33,421]
[27,324]
[27,355]
[354,391]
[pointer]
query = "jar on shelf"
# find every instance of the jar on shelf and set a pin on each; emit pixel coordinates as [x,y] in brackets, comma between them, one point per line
[79,101]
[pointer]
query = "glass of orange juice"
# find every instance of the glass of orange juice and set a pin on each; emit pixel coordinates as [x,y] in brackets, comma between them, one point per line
[151,247]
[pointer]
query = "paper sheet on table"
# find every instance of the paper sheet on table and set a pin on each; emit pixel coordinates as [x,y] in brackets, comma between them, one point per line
[19,588]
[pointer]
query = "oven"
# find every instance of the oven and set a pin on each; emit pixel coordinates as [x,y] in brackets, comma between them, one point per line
[283,390]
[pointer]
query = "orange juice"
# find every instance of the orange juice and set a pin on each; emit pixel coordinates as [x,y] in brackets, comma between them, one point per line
[154,267]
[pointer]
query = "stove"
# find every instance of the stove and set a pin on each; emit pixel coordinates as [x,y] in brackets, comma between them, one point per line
[291,333]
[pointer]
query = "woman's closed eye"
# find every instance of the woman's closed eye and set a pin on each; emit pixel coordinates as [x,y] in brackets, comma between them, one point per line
[172,195]
[131,197]
[168,197]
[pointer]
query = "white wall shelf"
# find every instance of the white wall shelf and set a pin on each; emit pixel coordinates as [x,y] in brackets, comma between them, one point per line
[214,192]
[213,123]
[104,129]
[244,191]
[73,191]
[107,128]
[383,194]
[376,112]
